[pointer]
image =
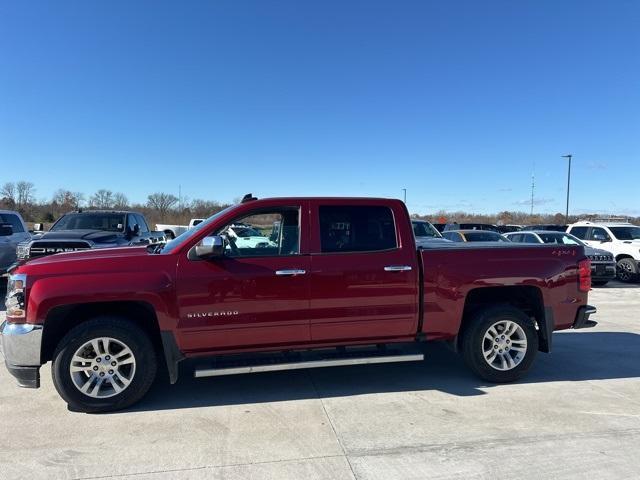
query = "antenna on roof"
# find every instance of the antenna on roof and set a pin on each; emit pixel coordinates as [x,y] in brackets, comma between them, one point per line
[248,198]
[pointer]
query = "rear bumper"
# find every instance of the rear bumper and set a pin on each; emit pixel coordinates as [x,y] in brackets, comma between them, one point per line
[582,317]
[21,345]
[603,271]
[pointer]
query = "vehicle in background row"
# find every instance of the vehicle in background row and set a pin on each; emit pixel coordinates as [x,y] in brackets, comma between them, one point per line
[84,230]
[547,227]
[473,236]
[622,239]
[343,284]
[426,233]
[12,232]
[471,226]
[173,231]
[603,265]
[508,228]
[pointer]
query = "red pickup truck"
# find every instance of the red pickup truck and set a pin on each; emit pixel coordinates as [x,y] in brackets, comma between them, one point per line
[317,282]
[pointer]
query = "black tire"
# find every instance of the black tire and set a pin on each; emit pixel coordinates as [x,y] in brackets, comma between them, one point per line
[599,283]
[116,328]
[169,234]
[473,342]
[627,270]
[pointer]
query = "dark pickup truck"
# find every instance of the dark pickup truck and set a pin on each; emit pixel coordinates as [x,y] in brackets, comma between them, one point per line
[343,283]
[84,230]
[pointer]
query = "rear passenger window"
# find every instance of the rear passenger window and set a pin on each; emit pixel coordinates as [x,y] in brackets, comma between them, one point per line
[12,220]
[580,232]
[356,229]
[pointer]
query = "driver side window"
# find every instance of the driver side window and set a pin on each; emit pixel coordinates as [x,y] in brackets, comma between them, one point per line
[268,233]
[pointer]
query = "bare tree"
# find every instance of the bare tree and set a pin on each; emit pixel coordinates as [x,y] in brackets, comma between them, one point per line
[204,208]
[102,199]
[65,200]
[120,200]
[162,202]
[8,192]
[25,193]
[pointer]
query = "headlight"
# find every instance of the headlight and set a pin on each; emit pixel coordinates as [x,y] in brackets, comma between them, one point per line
[15,296]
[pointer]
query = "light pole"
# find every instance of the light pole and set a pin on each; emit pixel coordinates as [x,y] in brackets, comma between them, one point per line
[404,191]
[566,215]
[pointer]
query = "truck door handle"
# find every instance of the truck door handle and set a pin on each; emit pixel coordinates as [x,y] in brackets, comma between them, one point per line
[397,268]
[290,273]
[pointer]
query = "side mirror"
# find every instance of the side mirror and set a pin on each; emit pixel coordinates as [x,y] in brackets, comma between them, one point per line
[38,227]
[210,247]
[6,230]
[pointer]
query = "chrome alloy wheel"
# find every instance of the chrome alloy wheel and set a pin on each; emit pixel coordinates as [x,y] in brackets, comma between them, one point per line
[504,345]
[102,367]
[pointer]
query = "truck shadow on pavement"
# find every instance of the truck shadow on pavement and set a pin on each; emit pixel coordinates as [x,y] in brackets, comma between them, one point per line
[577,356]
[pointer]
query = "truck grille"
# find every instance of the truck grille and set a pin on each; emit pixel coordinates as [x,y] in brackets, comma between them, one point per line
[601,258]
[39,249]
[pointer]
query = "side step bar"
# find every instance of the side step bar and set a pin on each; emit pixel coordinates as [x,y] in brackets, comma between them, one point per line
[336,362]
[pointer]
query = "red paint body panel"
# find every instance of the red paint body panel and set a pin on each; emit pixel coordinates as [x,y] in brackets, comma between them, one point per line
[239,304]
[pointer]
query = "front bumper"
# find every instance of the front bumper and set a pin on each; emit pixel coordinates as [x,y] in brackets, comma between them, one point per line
[582,317]
[21,343]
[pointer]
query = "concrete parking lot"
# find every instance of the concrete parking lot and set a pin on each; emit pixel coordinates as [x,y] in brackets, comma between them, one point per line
[575,416]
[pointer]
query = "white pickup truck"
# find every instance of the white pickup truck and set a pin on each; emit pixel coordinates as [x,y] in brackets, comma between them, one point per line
[172,231]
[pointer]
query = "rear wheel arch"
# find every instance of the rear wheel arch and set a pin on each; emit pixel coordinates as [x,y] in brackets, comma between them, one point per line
[527,299]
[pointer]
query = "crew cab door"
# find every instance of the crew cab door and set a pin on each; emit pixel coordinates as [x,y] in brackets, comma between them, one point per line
[257,294]
[364,275]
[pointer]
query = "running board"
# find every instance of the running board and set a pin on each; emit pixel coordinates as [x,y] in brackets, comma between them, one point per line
[336,362]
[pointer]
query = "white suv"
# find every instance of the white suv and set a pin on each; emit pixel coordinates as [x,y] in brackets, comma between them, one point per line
[621,239]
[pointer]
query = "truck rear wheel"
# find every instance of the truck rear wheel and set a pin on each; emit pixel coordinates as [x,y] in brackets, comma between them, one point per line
[104,364]
[500,344]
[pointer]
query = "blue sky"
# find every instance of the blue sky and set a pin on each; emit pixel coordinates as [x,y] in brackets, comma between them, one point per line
[456,101]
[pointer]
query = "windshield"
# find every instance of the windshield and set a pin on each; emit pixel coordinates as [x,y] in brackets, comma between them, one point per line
[484,236]
[425,229]
[626,233]
[108,222]
[560,238]
[176,242]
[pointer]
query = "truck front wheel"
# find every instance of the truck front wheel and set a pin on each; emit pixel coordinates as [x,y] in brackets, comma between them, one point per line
[499,344]
[104,364]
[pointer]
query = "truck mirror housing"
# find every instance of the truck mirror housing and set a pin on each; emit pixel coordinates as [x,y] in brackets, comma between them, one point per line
[38,227]
[5,230]
[210,247]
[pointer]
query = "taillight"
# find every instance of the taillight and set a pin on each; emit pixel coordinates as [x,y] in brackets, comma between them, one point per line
[584,275]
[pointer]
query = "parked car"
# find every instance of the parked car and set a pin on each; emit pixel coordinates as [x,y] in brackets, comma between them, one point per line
[603,265]
[548,227]
[12,231]
[473,236]
[173,231]
[344,273]
[424,232]
[620,238]
[84,230]
[247,236]
[508,228]
[471,226]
